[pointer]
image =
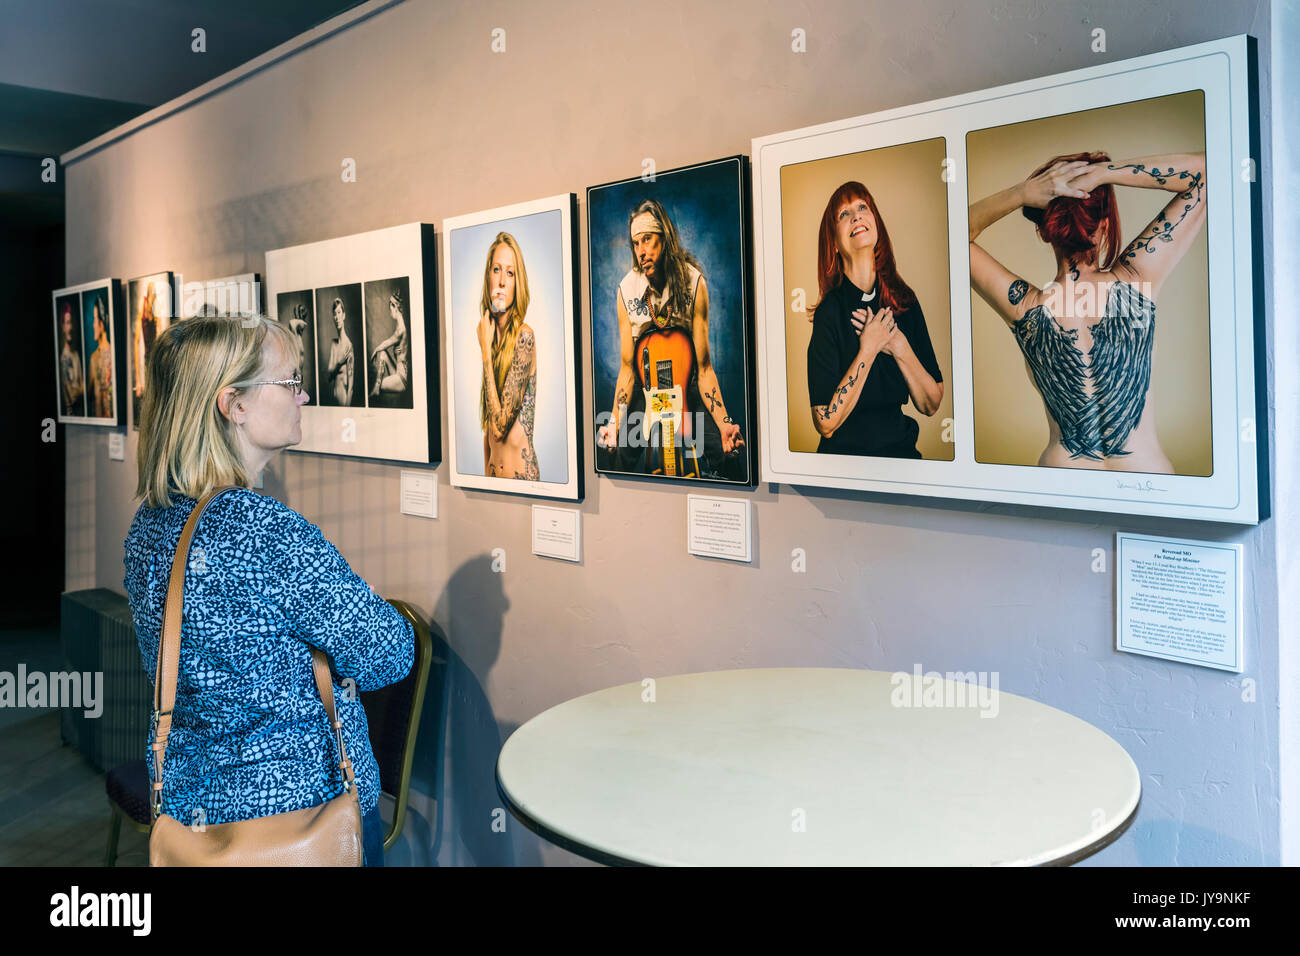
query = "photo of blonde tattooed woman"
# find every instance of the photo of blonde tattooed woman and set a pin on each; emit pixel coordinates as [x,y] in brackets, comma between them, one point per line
[511,353]
[1086,327]
[508,397]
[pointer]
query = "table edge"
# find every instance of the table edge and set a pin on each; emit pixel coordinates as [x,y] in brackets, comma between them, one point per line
[612,859]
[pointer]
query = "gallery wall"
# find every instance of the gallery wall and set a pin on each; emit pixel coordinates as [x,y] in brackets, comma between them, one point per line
[440,125]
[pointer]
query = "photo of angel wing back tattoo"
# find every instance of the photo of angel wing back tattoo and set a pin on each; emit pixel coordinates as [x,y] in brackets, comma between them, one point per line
[1121,363]
[1060,372]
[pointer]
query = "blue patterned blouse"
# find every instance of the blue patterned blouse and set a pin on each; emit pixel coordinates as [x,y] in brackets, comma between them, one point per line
[250,736]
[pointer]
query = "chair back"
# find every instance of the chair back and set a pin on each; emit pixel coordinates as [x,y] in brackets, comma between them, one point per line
[393,715]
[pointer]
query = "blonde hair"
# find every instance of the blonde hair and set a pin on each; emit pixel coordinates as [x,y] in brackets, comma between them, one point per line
[503,346]
[186,445]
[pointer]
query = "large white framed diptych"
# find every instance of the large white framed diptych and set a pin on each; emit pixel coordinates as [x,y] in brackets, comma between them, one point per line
[1224,487]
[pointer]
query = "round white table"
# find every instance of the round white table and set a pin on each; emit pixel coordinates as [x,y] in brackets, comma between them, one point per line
[816,766]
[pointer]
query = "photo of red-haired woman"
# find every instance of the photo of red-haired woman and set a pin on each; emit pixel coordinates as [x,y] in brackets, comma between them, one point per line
[868,337]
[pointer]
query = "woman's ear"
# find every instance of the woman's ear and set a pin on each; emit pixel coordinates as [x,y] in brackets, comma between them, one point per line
[228,407]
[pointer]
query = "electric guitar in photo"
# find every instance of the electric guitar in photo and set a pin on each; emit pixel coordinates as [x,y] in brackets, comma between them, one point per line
[665,362]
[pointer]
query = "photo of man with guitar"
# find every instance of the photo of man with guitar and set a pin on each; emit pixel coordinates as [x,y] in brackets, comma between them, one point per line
[668,417]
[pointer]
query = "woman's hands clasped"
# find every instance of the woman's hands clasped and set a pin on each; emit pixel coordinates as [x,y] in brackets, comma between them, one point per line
[877,331]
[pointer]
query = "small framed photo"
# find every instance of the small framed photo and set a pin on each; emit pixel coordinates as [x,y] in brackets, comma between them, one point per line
[150,306]
[90,354]
[510,307]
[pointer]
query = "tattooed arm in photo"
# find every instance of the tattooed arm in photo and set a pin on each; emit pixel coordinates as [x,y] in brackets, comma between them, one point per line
[732,441]
[1008,294]
[503,408]
[1152,256]
[874,333]
[608,433]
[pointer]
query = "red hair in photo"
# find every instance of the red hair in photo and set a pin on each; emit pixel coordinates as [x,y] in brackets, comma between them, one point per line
[1069,224]
[894,292]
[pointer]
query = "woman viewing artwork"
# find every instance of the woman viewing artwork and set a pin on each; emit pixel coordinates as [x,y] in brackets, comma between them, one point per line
[508,396]
[870,350]
[249,733]
[1088,335]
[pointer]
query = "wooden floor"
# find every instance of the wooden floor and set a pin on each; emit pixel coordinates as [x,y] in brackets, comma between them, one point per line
[53,809]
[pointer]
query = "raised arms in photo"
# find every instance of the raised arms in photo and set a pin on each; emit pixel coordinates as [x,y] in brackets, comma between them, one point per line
[1157,250]
[1004,291]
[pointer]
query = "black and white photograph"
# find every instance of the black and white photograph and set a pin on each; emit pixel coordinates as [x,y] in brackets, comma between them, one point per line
[388,362]
[297,310]
[340,345]
[364,310]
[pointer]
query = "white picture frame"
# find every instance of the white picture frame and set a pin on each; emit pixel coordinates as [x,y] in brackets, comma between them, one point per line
[1223,70]
[110,402]
[547,241]
[361,425]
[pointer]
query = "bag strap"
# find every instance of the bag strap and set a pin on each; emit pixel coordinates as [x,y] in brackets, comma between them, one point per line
[169,655]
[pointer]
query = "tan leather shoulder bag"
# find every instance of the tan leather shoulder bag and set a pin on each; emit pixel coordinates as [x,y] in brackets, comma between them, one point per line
[325,835]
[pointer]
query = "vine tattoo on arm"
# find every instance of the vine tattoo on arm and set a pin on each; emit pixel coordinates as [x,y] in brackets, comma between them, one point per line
[1017,291]
[1162,228]
[841,393]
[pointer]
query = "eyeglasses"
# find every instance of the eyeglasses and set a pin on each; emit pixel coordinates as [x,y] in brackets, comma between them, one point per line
[292,384]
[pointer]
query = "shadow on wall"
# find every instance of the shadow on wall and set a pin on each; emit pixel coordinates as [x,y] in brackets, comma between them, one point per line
[454,814]
[1169,842]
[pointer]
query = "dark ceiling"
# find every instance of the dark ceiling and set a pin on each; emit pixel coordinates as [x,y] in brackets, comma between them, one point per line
[73,69]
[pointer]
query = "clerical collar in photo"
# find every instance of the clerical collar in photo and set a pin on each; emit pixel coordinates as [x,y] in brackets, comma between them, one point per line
[866,296]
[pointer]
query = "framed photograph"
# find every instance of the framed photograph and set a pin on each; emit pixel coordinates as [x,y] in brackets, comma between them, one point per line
[231,295]
[510,305]
[90,354]
[1023,246]
[670,324]
[368,341]
[150,307]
